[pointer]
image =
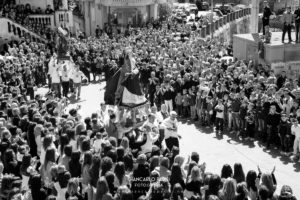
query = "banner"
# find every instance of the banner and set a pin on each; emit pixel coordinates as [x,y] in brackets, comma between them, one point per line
[292,69]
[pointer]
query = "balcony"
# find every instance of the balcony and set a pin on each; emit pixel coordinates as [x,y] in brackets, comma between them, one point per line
[131,3]
[47,20]
[11,30]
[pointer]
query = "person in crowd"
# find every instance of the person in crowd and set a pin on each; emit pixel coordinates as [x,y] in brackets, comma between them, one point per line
[105,154]
[266,15]
[296,132]
[78,77]
[287,20]
[171,128]
[297,23]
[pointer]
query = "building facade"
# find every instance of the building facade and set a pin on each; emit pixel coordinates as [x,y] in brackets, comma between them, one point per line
[118,12]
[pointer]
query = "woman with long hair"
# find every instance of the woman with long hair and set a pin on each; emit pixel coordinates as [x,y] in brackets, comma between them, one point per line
[26,166]
[177,192]
[125,145]
[110,179]
[72,138]
[66,157]
[269,181]
[242,192]
[49,162]
[73,189]
[154,162]
[176,176]
[61,185]
[47,143]
[37,191]
[214,185]
[226,171]
[194,181]
[238,173]
[63,141]
[180,161]
[120,176]
[228,191]
[10,163]
[251,185]
[74,164]
[102,190]
[190,167]
[94,176]
[87,162]
[128,162]
[106,165]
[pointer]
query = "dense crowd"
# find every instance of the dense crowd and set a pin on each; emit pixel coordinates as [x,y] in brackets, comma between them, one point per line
[20,13]
[48,153]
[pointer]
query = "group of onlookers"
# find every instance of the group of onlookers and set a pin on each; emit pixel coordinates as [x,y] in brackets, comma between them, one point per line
[50,153]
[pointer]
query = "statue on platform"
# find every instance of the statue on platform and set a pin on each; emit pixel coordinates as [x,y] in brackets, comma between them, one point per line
[62,44]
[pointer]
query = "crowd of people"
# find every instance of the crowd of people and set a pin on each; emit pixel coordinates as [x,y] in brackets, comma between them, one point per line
[20,13]
[49,153]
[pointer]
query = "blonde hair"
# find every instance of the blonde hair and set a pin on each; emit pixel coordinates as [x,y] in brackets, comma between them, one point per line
[195,174]
[73,186]
[179,160]
[229,189]
[267,180]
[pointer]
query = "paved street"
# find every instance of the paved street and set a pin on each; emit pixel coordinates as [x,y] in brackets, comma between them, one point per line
[214,151]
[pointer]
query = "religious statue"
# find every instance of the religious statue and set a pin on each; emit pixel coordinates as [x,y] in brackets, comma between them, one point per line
[62,44]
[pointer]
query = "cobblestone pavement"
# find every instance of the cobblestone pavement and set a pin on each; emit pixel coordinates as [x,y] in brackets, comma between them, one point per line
[215,151]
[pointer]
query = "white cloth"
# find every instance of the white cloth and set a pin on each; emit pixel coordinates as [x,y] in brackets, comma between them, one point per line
[56,74]
[61,192]
[151,138]
[220,115]
[129,98]
[296,131]
[169,123]
[97,145]
[65,76]
[38,142]
[77,76]
[25,180]
[73,143]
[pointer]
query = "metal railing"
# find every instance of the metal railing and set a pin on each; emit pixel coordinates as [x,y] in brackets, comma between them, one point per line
[206,30]
[46,20]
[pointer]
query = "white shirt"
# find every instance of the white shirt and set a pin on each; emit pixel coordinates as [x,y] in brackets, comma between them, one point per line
[77,76]
[56,74]
[296,130]
[151,138]
[168,123]
[97,145]
[65,76]
[220,115]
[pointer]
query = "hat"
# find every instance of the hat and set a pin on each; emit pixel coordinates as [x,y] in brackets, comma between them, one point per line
[141,159]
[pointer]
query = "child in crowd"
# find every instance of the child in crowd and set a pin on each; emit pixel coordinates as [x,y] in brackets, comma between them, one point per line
[285,134]
[219,117]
